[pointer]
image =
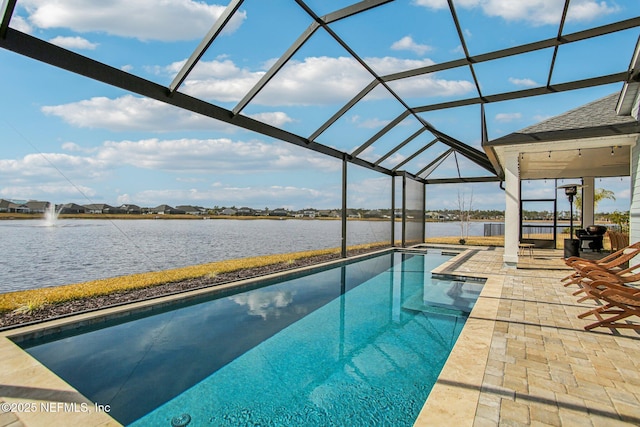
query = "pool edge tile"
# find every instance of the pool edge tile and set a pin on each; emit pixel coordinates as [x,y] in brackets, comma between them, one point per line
[454,398]
[38,397]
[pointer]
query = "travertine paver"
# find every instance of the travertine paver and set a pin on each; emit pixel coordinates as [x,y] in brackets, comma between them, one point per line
[541,367]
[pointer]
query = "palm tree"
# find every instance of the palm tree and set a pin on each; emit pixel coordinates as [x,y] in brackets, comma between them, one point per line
[598,195]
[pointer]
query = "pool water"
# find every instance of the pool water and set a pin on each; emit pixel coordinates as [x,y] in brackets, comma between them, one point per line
[360,344]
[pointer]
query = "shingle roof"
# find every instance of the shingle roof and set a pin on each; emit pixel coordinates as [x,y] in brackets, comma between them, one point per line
[595,119]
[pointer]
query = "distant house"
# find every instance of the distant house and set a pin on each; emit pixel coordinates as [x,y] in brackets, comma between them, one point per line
[99,208]
[6,205]
[436,215]
[228,211]
[130,209]
[192,210]
[36,206]
[279,212]
[353,214]
[166,210]
[245,211]
[12,207]
[326,213]
[72,208]
[311,213]
[375,213]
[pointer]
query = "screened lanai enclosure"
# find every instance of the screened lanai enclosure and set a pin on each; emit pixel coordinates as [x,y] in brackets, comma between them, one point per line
[408,91]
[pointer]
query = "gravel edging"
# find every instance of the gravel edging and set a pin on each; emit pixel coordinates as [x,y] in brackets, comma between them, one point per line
[51,311]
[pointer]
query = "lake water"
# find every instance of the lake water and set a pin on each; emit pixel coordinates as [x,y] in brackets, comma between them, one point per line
[34,255]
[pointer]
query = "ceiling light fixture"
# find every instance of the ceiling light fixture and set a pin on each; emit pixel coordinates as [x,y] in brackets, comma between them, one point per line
[612,150]
[579,153]
[549,154]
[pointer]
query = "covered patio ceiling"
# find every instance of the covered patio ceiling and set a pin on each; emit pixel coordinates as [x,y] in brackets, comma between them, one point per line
[591,140]
[415,137]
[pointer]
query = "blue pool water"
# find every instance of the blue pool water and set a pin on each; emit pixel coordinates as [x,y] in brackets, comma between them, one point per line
[360,344]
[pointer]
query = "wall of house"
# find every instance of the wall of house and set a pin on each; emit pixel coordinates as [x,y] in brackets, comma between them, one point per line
[634,213]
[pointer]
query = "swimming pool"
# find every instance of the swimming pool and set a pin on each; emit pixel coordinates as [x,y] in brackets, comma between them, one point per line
[362,343]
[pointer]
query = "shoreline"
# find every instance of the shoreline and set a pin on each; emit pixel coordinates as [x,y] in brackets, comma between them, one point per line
[13,217]
[21,308]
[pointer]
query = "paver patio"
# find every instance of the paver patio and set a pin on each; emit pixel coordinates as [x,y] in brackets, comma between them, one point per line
[539,366]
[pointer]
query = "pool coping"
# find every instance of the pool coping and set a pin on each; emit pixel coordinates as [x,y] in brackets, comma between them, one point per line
[32,395]
[454,398]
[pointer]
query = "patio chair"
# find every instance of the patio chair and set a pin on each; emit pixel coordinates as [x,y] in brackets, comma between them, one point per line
[613,240]
[621,303]
[612,256]
[612,263]
[622,277]
[623,239]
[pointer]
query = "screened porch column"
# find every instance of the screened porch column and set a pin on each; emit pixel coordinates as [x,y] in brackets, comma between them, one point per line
[512,208]
[588,191]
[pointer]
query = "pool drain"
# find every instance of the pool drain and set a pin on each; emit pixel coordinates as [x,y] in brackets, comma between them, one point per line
[181,420]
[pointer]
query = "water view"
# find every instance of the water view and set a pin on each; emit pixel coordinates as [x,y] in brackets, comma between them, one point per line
[40,253]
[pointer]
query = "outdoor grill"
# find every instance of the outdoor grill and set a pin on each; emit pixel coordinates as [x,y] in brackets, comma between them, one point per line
[591,237]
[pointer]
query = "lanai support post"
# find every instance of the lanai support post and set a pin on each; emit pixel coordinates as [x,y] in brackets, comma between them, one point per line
[404,210]
[512,209]
[588,192]
[422,215]
[343,251]
[393,210]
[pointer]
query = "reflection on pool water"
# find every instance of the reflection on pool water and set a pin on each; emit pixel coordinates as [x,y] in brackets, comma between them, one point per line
[361,344]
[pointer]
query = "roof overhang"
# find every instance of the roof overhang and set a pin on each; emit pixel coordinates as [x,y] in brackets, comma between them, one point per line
[590,140]
[575,158]
[629,100]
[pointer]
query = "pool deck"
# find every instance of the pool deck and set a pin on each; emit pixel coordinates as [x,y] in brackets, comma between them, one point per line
[523,358]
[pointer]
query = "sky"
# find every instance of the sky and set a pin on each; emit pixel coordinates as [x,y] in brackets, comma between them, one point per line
[66,138]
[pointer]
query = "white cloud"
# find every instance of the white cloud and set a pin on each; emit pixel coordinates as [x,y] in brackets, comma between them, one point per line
[71,146]
[427,85]
[169,20]
[390,65]
[312,81]
[372,123]
[276,118]
[535,12]
[316,80]
[21,24]
[523,82]
[508,117]
[47,166]
[73,43]
[130,113]
[432,4]
[123,199]
[587,10]
[204,156]
[177,155]
[50,191]
[143,114]
[194,165]
[407,43]
[369,192]
[540,117]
